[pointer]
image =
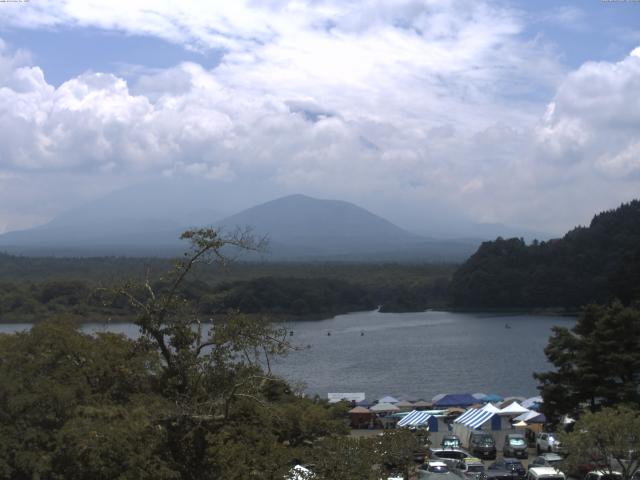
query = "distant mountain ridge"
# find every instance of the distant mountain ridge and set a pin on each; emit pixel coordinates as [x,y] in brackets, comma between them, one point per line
[147,221]
[589,264]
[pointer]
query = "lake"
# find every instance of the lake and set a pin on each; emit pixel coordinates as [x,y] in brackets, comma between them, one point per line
[415,354]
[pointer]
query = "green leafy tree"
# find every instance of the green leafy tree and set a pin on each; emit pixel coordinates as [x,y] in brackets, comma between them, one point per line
[78,406]
[597,363]
[347,458]
[612,436]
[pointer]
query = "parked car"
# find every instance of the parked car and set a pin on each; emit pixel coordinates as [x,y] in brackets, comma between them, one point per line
[498,474]
[482,445]
[545,473]
[547,442]
[603,475]
[435,470]
[515,445]
[546,460]
[511,465]
[448,454]
[470,469]
[451,441]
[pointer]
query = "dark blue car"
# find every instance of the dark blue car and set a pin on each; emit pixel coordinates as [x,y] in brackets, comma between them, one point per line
[511,465]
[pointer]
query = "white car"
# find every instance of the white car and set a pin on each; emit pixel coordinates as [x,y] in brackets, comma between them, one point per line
[548,442]
[603,475]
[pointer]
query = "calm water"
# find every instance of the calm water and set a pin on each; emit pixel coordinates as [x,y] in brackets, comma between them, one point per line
[417,354]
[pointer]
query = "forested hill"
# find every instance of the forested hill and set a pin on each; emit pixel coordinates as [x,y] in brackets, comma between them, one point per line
[589,264]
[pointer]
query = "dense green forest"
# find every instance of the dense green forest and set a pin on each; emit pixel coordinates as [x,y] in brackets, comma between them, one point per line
[588,265]
[34,289]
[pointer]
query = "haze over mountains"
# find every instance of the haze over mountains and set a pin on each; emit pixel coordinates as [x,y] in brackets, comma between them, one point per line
[147,221]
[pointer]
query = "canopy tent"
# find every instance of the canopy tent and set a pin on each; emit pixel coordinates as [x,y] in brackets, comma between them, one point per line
[479,396]
[421,404]
[532,403]
[359,417]
[474,418]
[521,423]
[404,405]
[514,409]
[384,407]
[364,403]
[438,397]
[359,410]
[388,399]
[416,418]
[465,415]
[489,407]
[455,400]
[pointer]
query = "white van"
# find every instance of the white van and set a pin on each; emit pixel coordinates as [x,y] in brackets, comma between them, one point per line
[545,473]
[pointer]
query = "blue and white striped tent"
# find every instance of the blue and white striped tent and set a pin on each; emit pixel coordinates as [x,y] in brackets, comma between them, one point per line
[474,418]
[417,418]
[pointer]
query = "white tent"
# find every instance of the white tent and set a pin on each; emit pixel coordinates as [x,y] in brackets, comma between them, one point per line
[489,407]
[513,409]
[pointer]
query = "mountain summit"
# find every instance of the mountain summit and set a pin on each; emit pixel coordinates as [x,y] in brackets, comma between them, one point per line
[324,226]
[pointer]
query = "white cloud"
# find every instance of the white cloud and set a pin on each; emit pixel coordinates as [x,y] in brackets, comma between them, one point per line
[413,100]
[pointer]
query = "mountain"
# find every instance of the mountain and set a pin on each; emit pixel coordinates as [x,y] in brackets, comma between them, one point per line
[322,225]
[147,221]
[589,264]
[303,228]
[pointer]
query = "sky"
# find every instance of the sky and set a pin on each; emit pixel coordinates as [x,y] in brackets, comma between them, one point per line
[519,112]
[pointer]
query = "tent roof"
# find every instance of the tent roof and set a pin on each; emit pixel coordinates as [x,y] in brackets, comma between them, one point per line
[489,407]
[540,418]
[414,419]
[473,418]
[423,404]
[384,407]
[513,409]
[526,416]
[359,410]
[388,399]
[455,400]
[404,403]
[479,396]
[438,397]
[465,415]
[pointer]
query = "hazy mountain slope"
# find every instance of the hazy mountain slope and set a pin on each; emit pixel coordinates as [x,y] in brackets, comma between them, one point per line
[321,226]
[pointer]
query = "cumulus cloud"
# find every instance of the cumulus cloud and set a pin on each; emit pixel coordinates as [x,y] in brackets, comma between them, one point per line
[414,101]
[594,117]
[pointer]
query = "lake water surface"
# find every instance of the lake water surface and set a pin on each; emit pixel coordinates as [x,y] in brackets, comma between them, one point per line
[416,354]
